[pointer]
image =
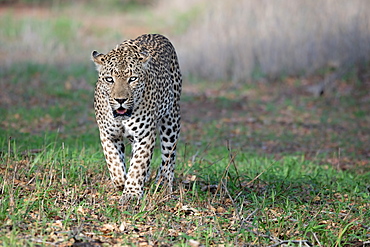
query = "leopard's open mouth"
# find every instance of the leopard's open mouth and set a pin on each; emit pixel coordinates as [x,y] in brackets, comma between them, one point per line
[121,112]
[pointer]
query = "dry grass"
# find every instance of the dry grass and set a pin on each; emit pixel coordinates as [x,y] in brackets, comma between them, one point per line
[54,35]
[235,39]
[217,40]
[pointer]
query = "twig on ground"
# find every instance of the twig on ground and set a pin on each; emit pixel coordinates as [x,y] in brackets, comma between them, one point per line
[255,178]
[36,240]
[232,160]
[305,242]
[317,240]
[222,177]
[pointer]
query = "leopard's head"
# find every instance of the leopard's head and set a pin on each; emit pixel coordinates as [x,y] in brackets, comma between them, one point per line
[122,76]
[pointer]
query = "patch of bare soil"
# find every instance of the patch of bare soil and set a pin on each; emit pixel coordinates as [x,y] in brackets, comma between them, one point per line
[280,118]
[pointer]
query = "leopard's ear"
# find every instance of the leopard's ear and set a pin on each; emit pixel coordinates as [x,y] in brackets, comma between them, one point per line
[98,59]
[145,58]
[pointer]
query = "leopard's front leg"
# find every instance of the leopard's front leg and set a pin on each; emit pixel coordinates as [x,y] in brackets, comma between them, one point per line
[142,152]
[114,152]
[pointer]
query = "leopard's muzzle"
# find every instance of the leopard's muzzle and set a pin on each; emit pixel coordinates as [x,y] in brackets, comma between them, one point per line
[122,112]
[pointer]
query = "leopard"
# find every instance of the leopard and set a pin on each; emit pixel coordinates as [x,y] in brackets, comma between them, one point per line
[137,95]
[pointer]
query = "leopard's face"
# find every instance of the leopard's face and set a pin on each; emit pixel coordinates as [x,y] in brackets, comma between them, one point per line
[122,77]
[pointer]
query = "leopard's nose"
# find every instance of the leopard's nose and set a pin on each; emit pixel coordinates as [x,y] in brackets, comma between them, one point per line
[121,101]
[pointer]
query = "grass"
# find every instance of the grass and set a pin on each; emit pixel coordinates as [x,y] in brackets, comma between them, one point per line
[37,112]
[262,164]
[240,178]
[63,195]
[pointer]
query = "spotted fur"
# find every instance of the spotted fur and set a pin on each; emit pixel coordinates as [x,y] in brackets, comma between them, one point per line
[138,92]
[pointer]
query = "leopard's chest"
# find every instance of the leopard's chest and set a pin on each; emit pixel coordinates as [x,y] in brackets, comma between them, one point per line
[141,122]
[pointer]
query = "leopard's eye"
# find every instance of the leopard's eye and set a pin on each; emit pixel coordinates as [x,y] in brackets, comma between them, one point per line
[109,79]
[132,79]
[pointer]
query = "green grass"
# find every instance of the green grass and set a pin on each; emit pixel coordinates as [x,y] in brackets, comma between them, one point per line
[258,164]
[238,180]
[55,187]
[44,100]
[46,196]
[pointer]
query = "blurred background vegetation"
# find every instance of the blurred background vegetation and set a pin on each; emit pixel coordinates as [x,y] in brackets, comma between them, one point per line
[236,40]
